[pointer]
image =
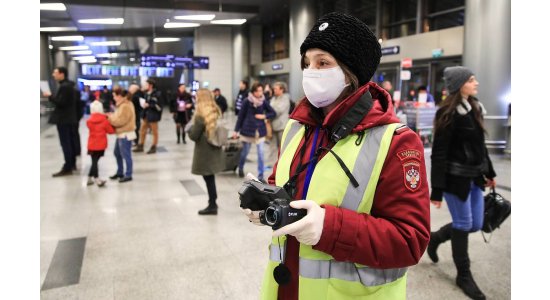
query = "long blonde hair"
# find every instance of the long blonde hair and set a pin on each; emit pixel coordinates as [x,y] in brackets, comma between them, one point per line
[208,110]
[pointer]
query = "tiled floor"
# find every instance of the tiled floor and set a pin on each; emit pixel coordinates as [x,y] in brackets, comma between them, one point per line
[144,239]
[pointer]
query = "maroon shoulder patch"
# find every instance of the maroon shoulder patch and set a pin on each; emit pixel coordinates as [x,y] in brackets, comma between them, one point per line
[411,172]
[408,154]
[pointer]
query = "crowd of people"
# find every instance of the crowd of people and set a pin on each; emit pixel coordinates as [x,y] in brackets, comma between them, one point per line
[375,214]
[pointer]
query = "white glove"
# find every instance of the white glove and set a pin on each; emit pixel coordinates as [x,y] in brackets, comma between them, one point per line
[253,216]
[307,230]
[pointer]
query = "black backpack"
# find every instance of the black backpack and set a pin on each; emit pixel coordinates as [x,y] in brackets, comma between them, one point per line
[292,106]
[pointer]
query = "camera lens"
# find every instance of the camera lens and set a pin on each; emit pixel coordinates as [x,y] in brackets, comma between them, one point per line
[271,216]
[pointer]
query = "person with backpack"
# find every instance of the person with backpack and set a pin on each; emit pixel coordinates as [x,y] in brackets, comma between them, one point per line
[65,117]
[207,158]
[461,169]
[99,127]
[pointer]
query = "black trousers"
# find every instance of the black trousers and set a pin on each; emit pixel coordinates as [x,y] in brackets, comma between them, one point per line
[211,187]
[94,172]
[138,125]
[68,145]
[76,140]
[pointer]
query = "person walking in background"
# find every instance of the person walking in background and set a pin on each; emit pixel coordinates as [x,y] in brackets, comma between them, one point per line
[423,95]
[182,111]
[87,97]
[207,159]
[268,92]
[243,94]
[64,116]
[106,98]
[149,117]
[99,127]
[251,126]
[220,100]
[280,102]
[136,93]
[123,119]
[461,168]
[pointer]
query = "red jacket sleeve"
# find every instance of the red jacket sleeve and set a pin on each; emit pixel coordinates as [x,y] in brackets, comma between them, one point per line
[397,231]
[108,127]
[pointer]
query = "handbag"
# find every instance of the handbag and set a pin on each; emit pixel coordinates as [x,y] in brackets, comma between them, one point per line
[497,210]
[269,130]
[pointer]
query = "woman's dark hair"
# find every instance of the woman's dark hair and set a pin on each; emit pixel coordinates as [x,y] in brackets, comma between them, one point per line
[448,107]
[245,82]
[119,91]
[255,87]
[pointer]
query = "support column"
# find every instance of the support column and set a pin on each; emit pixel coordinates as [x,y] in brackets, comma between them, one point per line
[487,52]
[240,62]
[302,18]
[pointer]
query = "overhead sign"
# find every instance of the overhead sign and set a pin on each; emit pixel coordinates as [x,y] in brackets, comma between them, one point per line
[406,63]
[405,75]
[390,50]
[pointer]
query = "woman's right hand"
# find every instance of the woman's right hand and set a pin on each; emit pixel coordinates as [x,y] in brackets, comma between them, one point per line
[437,204]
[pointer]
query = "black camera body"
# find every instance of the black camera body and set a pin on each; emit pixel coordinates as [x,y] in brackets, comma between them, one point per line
[279,214]
[273,202]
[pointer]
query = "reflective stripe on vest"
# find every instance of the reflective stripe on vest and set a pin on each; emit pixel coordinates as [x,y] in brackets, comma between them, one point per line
[325,269]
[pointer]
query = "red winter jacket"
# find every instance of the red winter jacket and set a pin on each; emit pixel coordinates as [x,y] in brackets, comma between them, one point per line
[396,232]
[99,127]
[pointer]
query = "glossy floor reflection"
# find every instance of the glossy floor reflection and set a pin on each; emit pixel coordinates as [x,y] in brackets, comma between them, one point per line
[145,240]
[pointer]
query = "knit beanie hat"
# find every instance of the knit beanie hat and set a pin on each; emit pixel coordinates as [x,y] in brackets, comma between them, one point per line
[96,107]
[349,40]
[455,77]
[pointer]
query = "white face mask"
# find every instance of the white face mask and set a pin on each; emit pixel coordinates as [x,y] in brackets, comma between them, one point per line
[322,87]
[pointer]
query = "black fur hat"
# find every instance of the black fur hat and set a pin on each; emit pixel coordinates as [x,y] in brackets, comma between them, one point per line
[349,40]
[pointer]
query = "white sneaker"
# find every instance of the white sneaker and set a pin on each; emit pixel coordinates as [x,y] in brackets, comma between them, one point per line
[90,181]
[100,182]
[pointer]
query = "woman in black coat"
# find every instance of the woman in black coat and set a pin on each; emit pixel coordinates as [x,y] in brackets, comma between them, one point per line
[182,110]
[461,168]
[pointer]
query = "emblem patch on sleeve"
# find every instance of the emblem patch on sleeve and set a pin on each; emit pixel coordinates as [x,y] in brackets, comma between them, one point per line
[407,154]
[411,171]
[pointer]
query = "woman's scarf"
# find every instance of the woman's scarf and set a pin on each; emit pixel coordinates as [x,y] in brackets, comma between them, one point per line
[257,102]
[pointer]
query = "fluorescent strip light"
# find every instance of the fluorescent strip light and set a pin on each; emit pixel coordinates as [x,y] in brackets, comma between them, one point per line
[196,17]
[117,21]
[68,48]
[53,29]
[84,57]
[229,22]
[81,52]
[87,61]
[165,39]
[107,55]
[180,25]
[68,38]
[106,43]
[52,6]
[105,62]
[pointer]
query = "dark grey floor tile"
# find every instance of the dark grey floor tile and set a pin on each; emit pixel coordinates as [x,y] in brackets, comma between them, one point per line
[66,264]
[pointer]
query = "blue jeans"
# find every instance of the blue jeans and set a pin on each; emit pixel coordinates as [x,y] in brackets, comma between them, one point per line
[123,151]
[467,215]
[244,154]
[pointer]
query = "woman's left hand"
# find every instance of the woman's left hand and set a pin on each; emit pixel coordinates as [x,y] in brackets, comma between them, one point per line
[308,230]
[490,183]
[259,116]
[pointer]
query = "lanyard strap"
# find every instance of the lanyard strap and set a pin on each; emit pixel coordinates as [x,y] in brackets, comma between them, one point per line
[312,163]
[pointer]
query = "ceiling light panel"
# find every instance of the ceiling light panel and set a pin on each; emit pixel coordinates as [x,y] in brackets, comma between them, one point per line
[114,21]
[106,43]
[165,39]
[180,25]
[69,48]
[68,38]
[196,17]
[229,22]
[54,29]
[81,52]
[53,6]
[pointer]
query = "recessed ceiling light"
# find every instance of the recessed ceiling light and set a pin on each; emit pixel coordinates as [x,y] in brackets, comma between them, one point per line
[107,55]
[106,43]
[52,6]
[67,48]
[229,22]
[105,62]
[68,38]
[196,17]
[166,39]
[84,57]
[50,46]
[180,25]
[81,52]
[132,59]
[52,29]
[102,21]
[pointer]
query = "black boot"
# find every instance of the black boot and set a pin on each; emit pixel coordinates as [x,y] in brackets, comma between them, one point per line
[139,148]
[178,133]
[153,149]
[436,238]
[183,136]
[464,279]
[209,210]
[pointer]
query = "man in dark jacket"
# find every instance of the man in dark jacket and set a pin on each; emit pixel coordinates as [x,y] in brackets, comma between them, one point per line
[243,94]
[66,119]
[220,100]
[136,92]
[107,99]
[150,117]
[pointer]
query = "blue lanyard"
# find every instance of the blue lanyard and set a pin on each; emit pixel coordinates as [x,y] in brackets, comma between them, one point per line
[311,166]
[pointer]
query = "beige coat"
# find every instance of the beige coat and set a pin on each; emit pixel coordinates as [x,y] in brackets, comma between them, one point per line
[124,117]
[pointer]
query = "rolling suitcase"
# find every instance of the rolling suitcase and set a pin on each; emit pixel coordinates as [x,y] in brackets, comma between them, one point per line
[232,154]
